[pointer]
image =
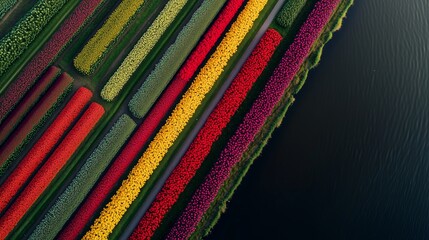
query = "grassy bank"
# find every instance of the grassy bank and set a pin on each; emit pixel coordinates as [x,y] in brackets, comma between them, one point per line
[239,171]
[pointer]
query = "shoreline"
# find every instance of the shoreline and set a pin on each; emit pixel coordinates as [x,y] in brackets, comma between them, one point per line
[219,206]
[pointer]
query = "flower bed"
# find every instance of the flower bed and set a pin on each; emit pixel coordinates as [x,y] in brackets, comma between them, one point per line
[120,165]
[85,179]
[30,99]
[141,49]
[5,6]
[43,146]
[46,55]
[255,118]
[210,132]
[34,121]
[177,121]
[50,168]
[25,31]
[99,44]
[173,58]
[240,169]
[289,12]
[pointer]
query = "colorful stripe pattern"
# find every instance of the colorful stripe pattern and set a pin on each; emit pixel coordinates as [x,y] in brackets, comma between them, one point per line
[50,168]
[43,146]
[210,133]
[255,118]
[46,55]
[183,111]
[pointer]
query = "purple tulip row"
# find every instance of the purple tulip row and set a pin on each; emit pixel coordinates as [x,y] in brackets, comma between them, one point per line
[255,118]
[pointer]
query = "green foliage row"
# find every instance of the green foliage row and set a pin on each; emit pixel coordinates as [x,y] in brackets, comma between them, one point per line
[289,12]
[142,49]
[174,57]
[85,179]
[20,37]
[5,6]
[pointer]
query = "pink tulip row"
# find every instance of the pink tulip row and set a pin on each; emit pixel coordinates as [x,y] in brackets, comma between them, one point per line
[44,57]
[255,118]
[210,133]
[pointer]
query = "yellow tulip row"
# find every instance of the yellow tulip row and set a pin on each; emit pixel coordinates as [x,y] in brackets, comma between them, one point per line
[176,122]
[93,51]
[141,49]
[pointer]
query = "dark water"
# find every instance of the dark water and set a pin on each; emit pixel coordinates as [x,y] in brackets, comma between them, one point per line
[351,160]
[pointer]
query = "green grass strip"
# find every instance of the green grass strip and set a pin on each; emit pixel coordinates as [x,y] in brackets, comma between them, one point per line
[289,12]
[5,6]
[20,37]
[85,179]
[142,49]
[174,57]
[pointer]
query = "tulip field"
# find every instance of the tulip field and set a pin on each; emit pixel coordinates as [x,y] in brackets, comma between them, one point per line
[139,119]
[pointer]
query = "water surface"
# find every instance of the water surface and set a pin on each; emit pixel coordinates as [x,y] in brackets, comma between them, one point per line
[351,159]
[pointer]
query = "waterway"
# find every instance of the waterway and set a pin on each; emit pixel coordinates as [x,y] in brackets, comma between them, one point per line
[351,159]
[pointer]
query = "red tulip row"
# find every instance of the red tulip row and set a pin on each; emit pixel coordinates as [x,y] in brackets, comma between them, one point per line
[44,57]
[189,68]
[50,168]
[144,99]
[146,129]
[255,118]
[27,102]
[43,146]
[26,129]
[210,132]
